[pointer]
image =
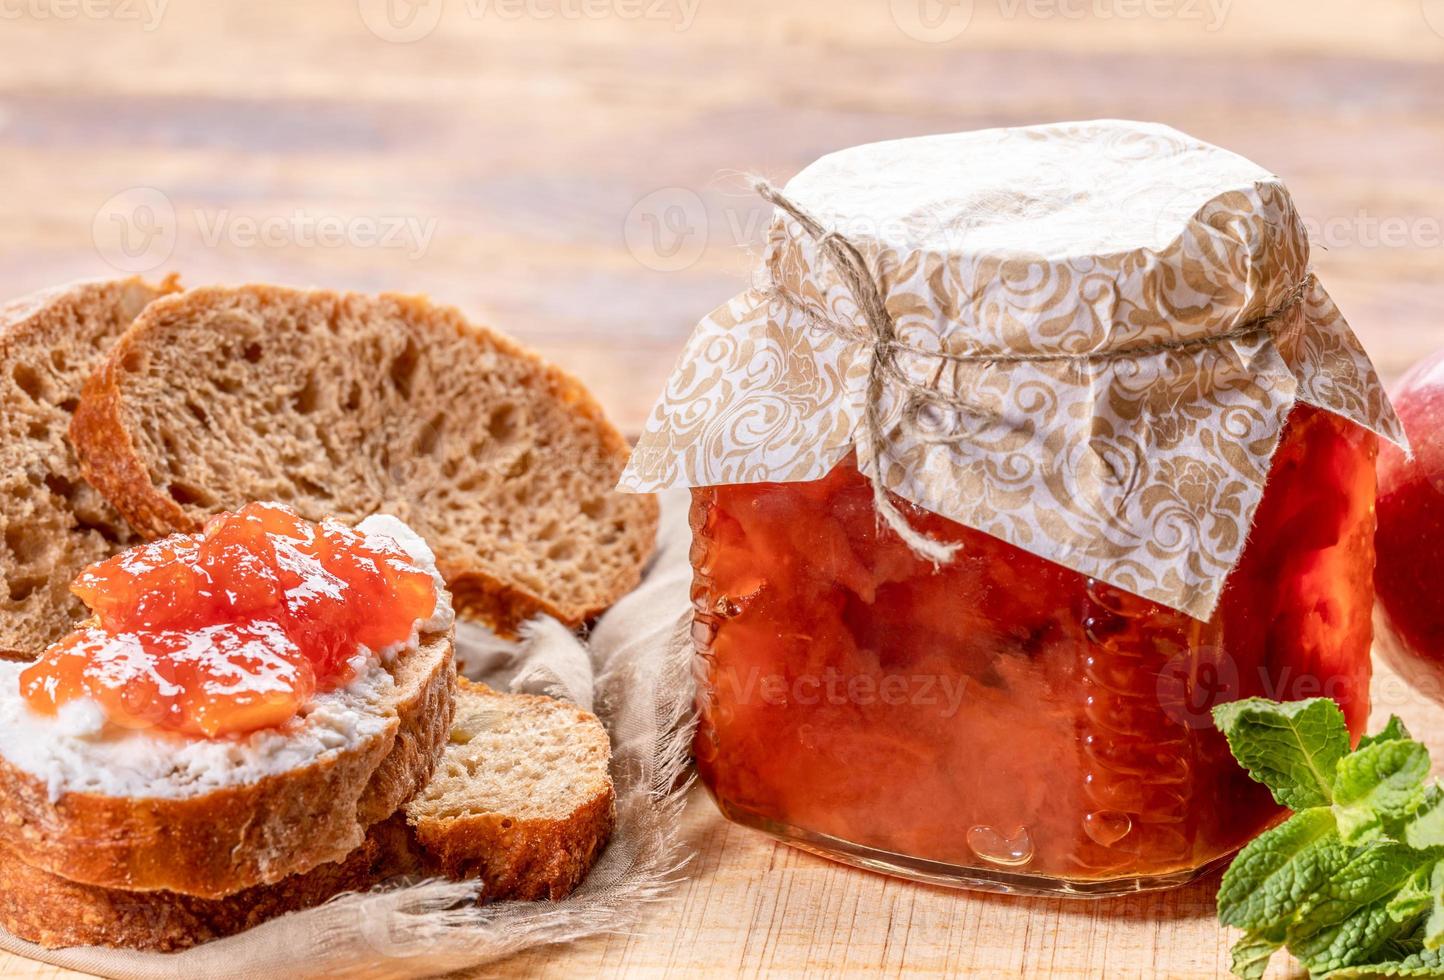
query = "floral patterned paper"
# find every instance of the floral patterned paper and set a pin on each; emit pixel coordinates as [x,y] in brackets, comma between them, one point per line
[1087,245]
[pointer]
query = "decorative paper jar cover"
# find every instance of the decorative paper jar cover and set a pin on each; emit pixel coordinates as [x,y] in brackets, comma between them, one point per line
[1083,339]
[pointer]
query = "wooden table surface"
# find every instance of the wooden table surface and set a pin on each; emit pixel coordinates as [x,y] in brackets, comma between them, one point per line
[560,169]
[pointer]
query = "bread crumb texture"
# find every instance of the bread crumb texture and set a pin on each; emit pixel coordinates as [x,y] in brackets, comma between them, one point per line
[52,523]
[344,405]
[522,798]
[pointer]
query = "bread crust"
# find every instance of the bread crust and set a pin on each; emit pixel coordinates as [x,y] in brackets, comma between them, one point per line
[238,837]
[57,336]
[54,912]
[108,458]
[518,858]
[17,314]
[111,461]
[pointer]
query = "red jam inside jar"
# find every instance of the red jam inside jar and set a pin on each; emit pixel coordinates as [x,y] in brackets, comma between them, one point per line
[233,629]
[1004,722]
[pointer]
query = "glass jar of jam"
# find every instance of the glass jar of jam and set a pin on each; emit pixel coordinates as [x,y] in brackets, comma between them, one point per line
[1027,448]
[1001,721]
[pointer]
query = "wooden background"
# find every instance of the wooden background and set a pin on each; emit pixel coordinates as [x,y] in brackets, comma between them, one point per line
[563,167]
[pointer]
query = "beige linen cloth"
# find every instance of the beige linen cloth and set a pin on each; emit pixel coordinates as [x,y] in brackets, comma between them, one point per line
[634,672]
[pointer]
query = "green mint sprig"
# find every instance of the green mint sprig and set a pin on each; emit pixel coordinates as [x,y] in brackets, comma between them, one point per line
[1352,885]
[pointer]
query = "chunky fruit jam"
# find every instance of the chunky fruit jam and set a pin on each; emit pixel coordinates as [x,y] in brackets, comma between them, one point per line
[1002,721]
[233,629]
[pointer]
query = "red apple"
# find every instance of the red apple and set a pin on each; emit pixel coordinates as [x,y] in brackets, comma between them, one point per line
[1410,573]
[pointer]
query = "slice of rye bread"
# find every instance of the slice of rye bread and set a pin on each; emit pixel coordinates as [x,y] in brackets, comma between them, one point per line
[52,523]
[215,824]
[522,799]
[342,404]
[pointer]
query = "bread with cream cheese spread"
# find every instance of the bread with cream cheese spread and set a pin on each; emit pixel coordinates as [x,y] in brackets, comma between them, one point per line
[147,809]
[522,800]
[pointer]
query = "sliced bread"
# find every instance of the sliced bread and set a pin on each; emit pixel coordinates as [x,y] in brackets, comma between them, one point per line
[342,404]
[52,911]
[51,522]
[521,799]
[145,812]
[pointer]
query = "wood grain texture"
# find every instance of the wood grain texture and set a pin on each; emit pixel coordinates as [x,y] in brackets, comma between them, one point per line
[536,148]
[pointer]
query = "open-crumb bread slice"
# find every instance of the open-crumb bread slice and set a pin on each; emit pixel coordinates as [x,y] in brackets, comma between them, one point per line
[142,811]
[342,404]
[51,522]
[521,799]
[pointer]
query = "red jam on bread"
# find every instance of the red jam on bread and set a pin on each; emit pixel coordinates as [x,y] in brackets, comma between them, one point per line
[234,629]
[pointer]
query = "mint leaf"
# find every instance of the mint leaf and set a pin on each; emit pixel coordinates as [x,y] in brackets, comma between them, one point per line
[1413,899]
[1353,916]
[1353,883]
[1294,749]
[1429,963]
[1424,824]
[1279,870]
[1251,955]
[1433,934]
[1379,783]
[1376,871]
[1357,939]
[1392,732]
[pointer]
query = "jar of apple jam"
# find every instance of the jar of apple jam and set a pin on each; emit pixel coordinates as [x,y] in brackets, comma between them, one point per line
[1029,449]
[1003,720]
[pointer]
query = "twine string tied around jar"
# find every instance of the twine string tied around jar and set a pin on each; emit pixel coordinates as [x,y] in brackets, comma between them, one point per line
[881,337]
